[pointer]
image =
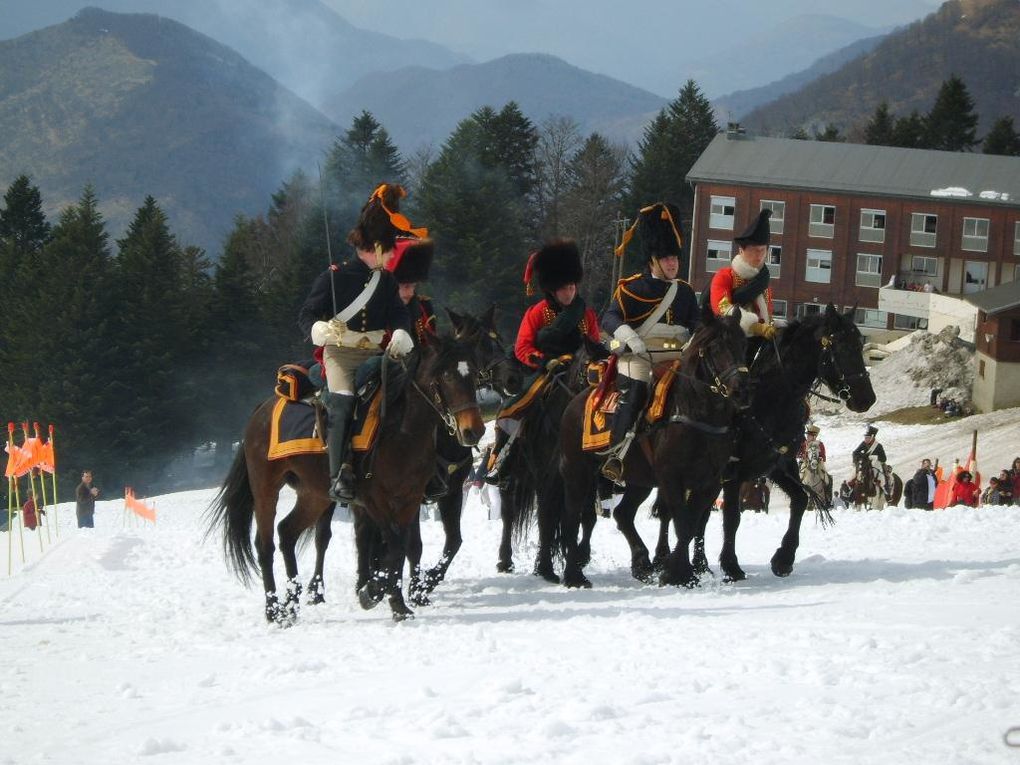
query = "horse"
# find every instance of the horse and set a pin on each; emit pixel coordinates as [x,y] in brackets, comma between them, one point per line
[817,481]
[826,348]
[441,388]
[684,455]
[867,493]
[533,481]
[498,370]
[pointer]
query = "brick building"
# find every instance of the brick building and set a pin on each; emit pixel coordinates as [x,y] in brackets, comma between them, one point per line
[849,219]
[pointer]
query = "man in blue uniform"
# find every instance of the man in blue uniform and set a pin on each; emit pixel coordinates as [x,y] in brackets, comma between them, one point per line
[349,310]
[652,315]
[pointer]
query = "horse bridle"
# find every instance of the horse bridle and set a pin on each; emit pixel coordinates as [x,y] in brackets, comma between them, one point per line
[485,376]
[843,380]
[719,381]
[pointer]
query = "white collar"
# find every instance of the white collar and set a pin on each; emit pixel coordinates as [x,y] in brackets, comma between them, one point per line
[743,269]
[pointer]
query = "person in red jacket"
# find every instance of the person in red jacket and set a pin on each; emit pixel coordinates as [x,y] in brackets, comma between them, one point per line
[965,491]
[555,326]
[745,283]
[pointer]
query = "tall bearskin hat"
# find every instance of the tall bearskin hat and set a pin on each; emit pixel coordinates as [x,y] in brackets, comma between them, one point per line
[758,230]
[411,260]
[381,222]
[556,265]
[659,232]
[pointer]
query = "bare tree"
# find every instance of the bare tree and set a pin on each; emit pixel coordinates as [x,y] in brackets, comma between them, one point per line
[416,165]
[559,138]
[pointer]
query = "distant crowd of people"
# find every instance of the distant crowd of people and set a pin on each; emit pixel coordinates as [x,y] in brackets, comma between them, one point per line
[1003,489]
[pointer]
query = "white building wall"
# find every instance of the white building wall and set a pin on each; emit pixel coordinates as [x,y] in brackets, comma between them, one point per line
[999,387]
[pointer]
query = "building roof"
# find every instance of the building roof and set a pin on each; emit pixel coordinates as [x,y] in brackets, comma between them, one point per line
[997,299]
[860,169]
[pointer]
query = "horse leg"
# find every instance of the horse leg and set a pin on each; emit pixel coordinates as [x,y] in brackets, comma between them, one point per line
[677,569]
[624,513]
[289,529]
[266,495]
[450,509]
[367,542]
[580,488]
[662,547]
[323,533]
[731,522]
[505,565]
[416,591]
[550,502]
[784,556]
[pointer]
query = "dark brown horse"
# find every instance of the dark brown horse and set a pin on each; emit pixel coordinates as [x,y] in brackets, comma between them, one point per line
[440,388]
[867,492]
[826,348]
[684,455]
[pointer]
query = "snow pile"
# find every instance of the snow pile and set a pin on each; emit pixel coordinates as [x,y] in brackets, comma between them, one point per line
[995,195]
[907,375]
[950,191]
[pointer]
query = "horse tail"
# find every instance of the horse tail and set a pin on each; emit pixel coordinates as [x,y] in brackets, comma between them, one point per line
[520,500]
[233,508]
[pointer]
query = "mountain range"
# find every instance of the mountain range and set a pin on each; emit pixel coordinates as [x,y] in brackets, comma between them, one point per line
[973,39]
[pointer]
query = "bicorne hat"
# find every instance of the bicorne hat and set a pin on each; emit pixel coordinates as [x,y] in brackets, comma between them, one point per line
[758,232]
[872,430]
[411,260]
[380,221]
[813,429]
[555,265]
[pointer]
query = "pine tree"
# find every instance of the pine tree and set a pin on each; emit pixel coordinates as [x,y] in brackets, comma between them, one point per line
[651,178]
[830,134]
[879,131]
[800,134]
[951,125]
[1002,139]
[910,132]
[23,226]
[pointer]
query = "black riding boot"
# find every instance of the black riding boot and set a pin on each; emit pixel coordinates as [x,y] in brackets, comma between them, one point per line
[633,396]
[495,469]
[341,475]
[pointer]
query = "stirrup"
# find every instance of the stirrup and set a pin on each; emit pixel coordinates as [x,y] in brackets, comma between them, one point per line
[342,488]
[612,468]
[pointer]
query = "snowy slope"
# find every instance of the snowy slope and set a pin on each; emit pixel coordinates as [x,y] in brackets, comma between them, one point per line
[894,641]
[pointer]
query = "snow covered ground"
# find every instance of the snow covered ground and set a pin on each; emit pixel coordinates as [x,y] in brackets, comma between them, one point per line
[894,641]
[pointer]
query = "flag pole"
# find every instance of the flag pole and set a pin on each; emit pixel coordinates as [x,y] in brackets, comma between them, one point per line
[42,483]
[53,452]
[17,497]
[10,498]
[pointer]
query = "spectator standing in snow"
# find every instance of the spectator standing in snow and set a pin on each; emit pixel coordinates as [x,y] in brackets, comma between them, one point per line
[965,491]
[85,501]
[1015,475]
[992,495]
[921,488]
[1005,488]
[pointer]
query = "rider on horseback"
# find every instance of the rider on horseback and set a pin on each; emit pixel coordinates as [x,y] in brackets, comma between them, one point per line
[409,265]
[555,326]
[811,458]
[871,450]
[745,283]
[349,310]
[652,315]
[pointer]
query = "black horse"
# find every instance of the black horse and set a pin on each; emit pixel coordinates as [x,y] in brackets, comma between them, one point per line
[499,370]
[533,481]
[826,348]
[683,455]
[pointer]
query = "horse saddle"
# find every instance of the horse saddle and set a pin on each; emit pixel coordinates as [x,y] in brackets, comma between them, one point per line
[601,404]
[368,411]
[295,427]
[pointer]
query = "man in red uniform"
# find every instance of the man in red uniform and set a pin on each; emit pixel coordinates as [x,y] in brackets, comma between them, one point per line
[410,265]
[745,282]
[553,327]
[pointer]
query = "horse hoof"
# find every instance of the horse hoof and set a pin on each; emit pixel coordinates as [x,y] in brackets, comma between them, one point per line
[782,565]
[403,616]
[419,598]
[643,571]
[316,598]
[579,581]
[547,573]
[734,576]
[670,579]
[505,567]
[367,598]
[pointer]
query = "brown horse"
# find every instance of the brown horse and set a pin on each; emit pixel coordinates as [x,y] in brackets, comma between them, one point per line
[866,492]
[390,481]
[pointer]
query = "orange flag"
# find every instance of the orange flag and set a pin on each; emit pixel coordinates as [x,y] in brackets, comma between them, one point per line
[47,459]
[138,507]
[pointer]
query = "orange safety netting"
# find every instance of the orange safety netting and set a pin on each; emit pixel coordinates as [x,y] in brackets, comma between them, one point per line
[138,507]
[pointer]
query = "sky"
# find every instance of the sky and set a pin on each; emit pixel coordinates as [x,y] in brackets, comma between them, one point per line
[893,641]
[644,44]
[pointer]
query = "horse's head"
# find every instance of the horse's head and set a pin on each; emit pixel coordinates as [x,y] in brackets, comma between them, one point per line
[449,374]
[841,365]
[497,369]
[718,350]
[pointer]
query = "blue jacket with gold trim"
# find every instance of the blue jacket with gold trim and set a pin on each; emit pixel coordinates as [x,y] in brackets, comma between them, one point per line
[638,295]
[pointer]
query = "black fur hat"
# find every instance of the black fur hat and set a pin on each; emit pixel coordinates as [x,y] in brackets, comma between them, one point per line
[758,232]
[411,260]
[659,232]
[556,265]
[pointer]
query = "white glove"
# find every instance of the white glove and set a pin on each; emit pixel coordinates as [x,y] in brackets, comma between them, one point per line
[747,320]
[322,333]
[626,335]
[400,344]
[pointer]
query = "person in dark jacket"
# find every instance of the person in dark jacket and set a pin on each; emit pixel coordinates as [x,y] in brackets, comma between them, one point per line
[85,501]
[921,492]
[410,264]
[349,311]
[872,451]
[646,330]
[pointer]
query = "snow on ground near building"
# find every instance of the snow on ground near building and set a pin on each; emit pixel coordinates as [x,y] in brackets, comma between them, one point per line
[895,640]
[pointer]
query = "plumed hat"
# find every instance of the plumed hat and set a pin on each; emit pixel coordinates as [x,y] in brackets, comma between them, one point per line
[380,221]
[555,265]
[758,232]
[872,430]
[658,230]
[411,260]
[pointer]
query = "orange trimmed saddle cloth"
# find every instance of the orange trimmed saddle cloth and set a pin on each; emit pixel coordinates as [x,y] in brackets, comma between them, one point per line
[297,427]
[600,407]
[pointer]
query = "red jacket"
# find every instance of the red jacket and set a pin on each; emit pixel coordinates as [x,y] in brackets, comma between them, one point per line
[965,493]
[542,315]
[722,294]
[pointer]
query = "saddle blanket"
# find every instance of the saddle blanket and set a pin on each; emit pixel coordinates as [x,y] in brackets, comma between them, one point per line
[600,409]
[293,429]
